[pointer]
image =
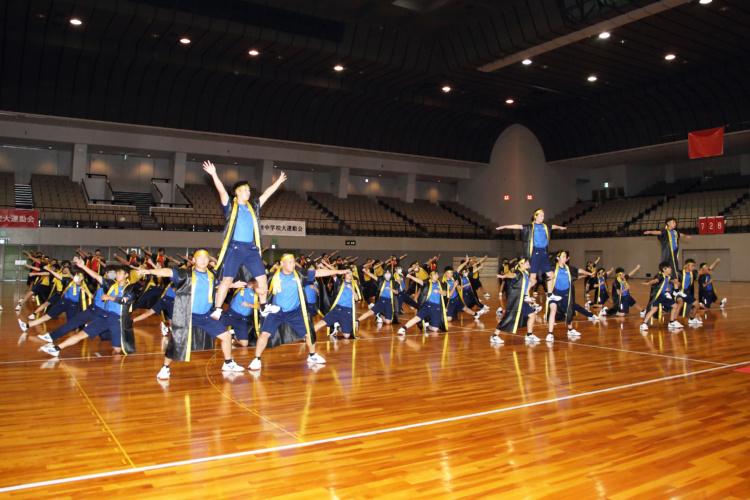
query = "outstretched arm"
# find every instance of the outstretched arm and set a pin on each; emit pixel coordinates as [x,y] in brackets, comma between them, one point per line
[509,226]
[652,233]
[272,189]
[210,169]
[82,264]
[635,270]
[414,278]
[610,271]
[53,273]
[597,260]
[711,267]
[322,273]
[146,252]
[121,260]
[682,235]
[554,226]
[162,272]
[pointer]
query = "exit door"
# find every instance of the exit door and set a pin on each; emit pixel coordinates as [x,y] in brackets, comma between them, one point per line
[10,255]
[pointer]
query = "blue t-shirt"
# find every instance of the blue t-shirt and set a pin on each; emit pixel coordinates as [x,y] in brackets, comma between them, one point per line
[688,280]
[73,293]
[563,279]
[98,302]
[386,293]
[602,284]
[465,283]
[201,294]
[287,298]
[244,228]
[311,294]
[111,306]
[435,294]
[345,299]
[674,238]
[240,296]
[624,284]
[450,283]
[540,236]
[170,291]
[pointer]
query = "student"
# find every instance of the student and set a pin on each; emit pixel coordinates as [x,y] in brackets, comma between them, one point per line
[241,240]
[69,301]
[431,305]
[466,292]
[661,297]
[386,306]
[536,237]
[601,295]
[686,301]
[114,317]
[403,296]
[669,238]
[518,312]
[622,301]
[591,282]
[286,293]
[562,286]
[237,317]
[341,315]
[706,291]
[476,283]
[455,300]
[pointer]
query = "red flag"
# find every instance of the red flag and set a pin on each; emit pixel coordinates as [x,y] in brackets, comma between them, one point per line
[706,143]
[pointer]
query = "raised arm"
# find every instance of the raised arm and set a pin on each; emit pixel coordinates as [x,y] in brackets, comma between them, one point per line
[53,273]
[162,272]
[272,189]
[322,273]
[368,273]
[82,264]
[210,169]
[146,252]
[562,228]
[652,233]
[635,270]
[597,260]
[711,267]
[414,278]
[610,271]
[121,260]
[509,226]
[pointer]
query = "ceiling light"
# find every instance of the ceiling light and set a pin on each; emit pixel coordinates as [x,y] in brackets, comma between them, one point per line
[367,180]
[253,52]
[526,62]
[705,2]
[509,101]
[604,35]
[338,67]
[592,78]
[149,156]
[446,89]
[76,22]
[669,57]
[185,41]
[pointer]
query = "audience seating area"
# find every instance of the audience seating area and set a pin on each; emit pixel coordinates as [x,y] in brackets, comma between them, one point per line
[611,216]
[470,214]
[364,216]
[433,218]
[687,208]
[7,189]
[571,213]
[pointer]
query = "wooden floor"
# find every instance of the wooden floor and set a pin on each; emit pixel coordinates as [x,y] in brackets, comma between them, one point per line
[613,415]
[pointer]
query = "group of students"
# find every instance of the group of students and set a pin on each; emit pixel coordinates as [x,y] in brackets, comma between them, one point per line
[272,306]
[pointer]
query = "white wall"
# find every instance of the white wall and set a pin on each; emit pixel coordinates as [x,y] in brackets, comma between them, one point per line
[25,162]
[131,174]
[518,168]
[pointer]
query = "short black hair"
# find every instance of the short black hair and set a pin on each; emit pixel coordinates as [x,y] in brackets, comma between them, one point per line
[689,261]
[619,270]
[669,220]
[448,268]
[664,265]
[239,184]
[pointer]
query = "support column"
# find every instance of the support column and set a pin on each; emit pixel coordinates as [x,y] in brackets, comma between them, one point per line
[267,175]
[340,182]
[80,162]
[409,182]
[178,171]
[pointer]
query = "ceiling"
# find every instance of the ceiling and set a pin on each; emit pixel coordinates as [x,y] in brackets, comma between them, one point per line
[125,63]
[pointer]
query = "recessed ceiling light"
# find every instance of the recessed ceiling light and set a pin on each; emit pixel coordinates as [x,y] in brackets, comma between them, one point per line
[705,2]
[185,41]
[338,67]
[526,62]
[100,152]
[604,34]
[367,180]
[76,22]
[253,52]
[592,78]
[509,101]
[446,89]
[669,57]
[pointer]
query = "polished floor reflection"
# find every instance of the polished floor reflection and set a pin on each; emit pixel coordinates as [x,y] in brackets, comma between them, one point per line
[615,414]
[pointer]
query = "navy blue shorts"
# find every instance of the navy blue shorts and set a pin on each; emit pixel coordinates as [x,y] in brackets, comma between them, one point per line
[294,319]
[470,300]
[106,322]
[209,325]
[562,304]
[689,300]
[664,302]
[239,253]
[166,304]
[63,305]
[454,307]
[312,310]
[539,262]
[236,322]
[384,307]
[40,290]
[430,312]
[341,315]
[626,302]
[54,298]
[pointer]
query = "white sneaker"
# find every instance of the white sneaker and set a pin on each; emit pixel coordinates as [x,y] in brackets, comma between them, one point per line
[496,340]
[535,294]
[45,337]
[643,327]
[594,318]
[163,373]
[255,364]
[550,338]
[499,311]
[694,322]
[486,295]
[668,295]
[50,349]
[553,298]
[32,316]
[587,305]
[528,299]
[232,367]
[723,302]
[477,314]
[269,309]
[485,309]
[532,338]
[18,307]
[401,331]
[500,295]
[379,318]
[574,333]
[603,312]
[537,308]
[164,329]
[643,313]
[23,325]
[675,324]
[216,314]
[335,329]
[426,325]
[699,320]
[370,306]
[316,359]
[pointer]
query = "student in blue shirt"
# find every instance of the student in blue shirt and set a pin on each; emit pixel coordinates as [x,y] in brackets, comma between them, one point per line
[431,305]
[244,304]
[288,297]
[68,301]
[386,305]
[669,238]
[518,312]
[241,240]
[342,313]
[563,287]
[662,298]
[706,291]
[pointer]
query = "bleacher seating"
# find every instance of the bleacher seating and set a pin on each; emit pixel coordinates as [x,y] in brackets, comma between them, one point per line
[433,218]
[672,188]
[571,213]
[7,189]
[364,216]
[611,215]
[687,208]
[719,182]
[469,214]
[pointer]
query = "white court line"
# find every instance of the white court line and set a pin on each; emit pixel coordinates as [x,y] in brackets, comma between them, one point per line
[349,437]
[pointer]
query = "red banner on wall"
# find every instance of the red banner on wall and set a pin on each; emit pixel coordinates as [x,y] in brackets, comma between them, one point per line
[705,143]
[19,218]
[711,225]
[702,225]
[720,224]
